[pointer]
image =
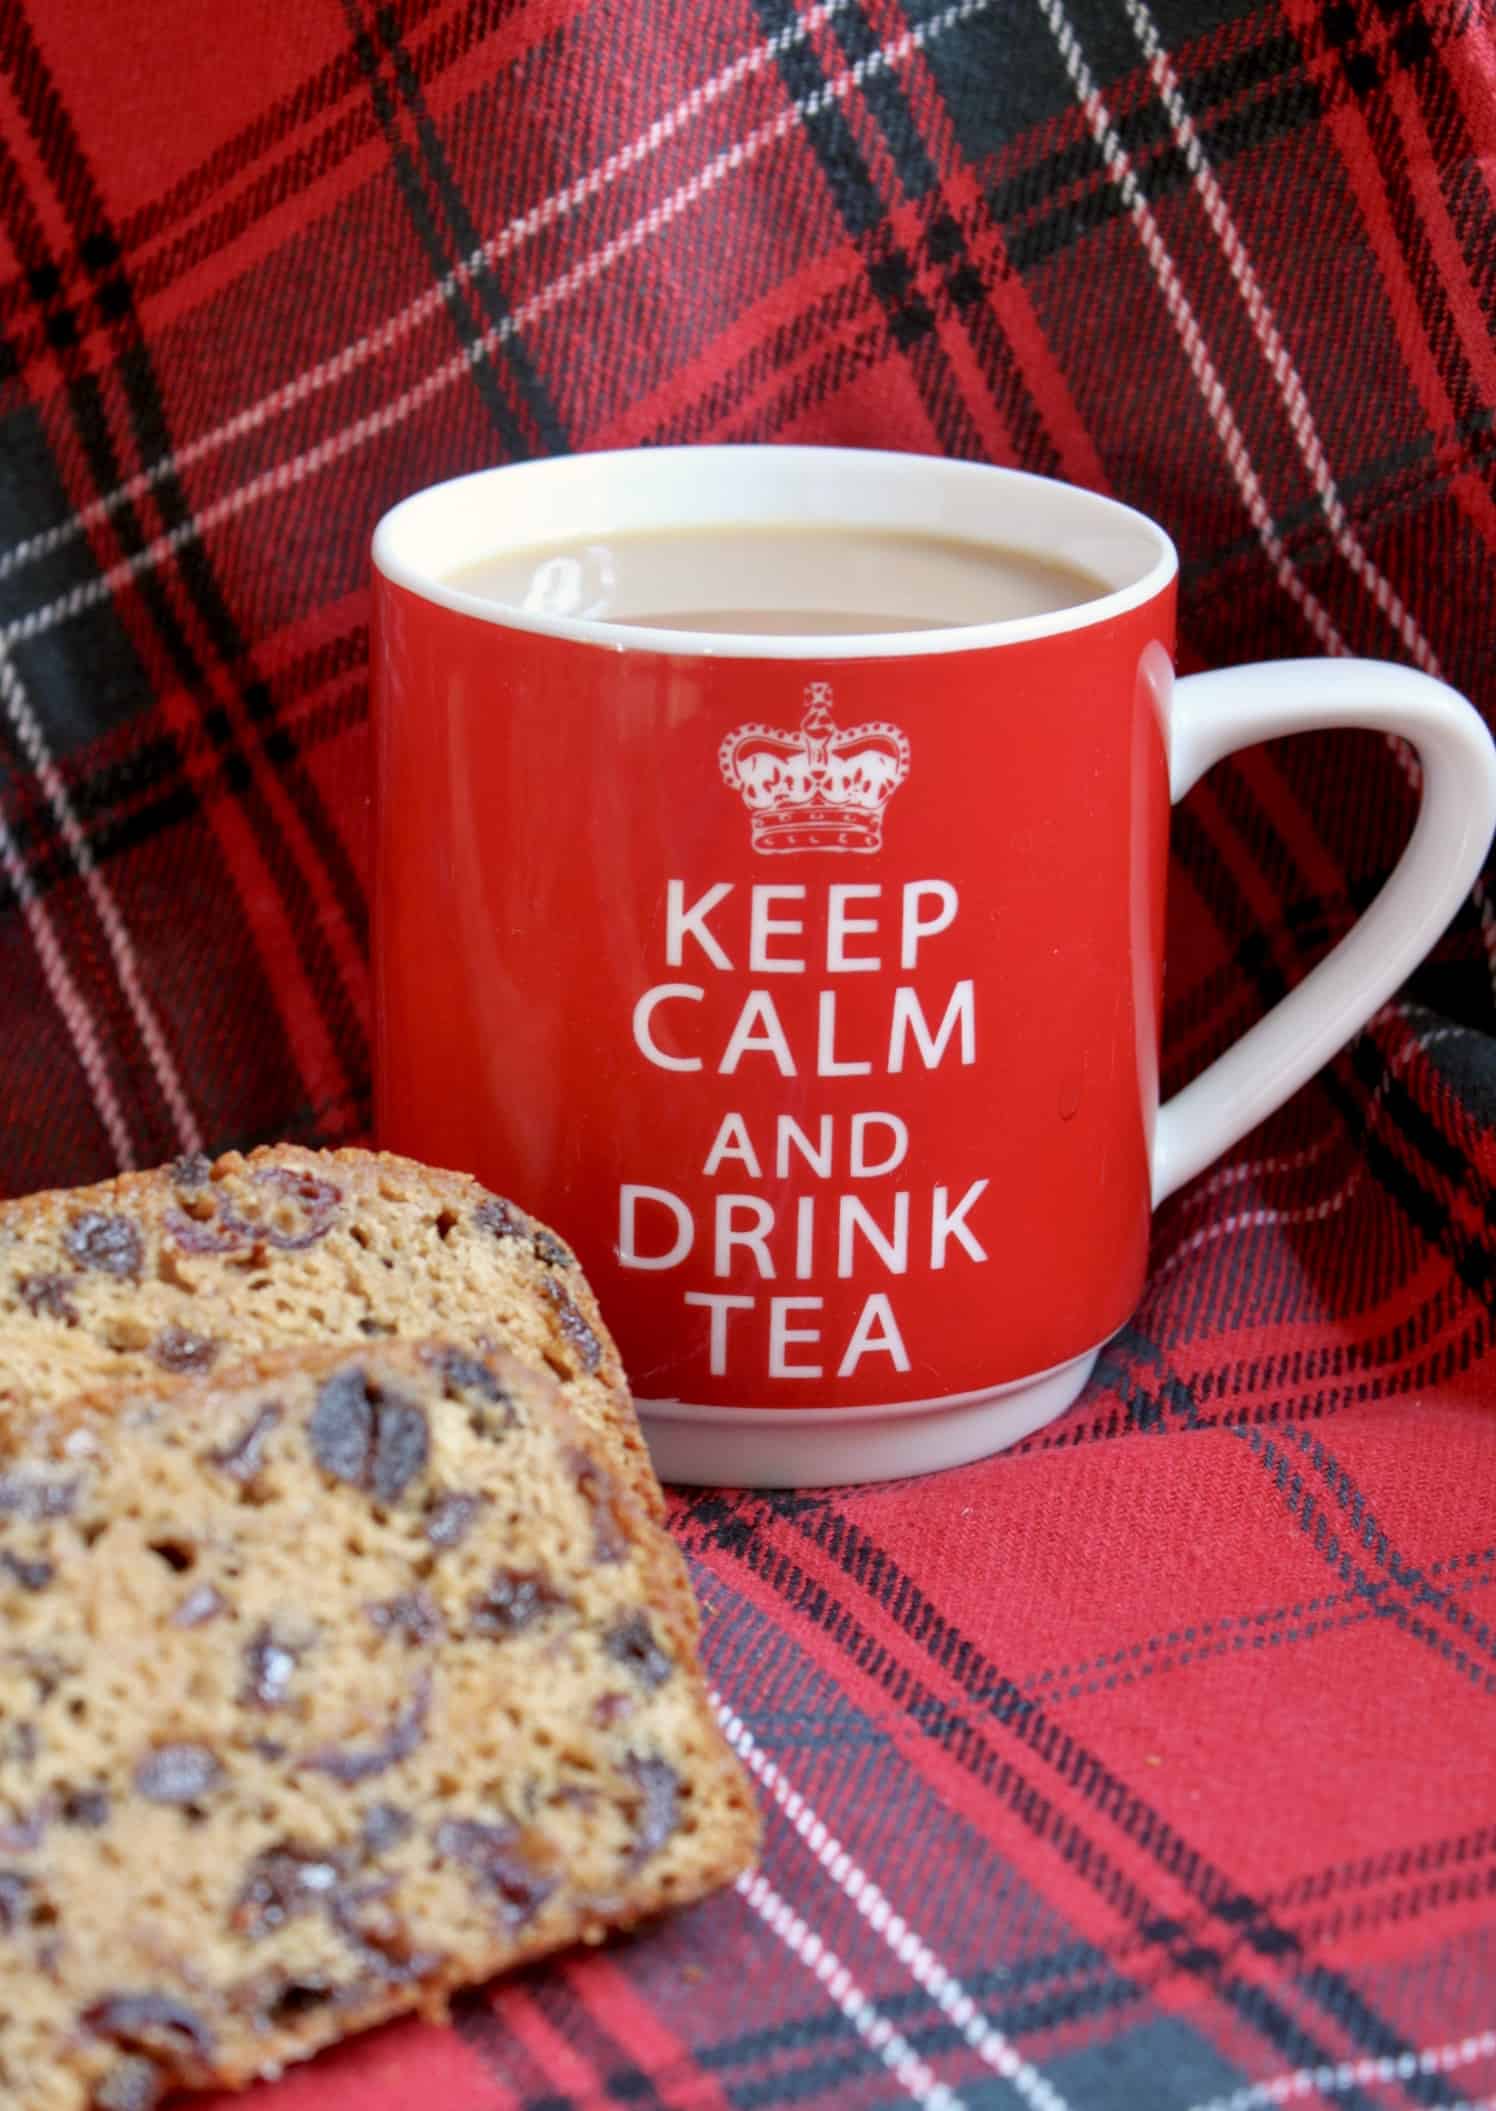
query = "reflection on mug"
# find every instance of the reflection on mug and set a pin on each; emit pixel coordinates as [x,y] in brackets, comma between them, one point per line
[572,586]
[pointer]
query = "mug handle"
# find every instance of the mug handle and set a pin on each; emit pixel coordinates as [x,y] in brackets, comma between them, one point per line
[1213,714]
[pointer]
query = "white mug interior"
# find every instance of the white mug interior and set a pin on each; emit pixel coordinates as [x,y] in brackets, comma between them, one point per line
[590,498]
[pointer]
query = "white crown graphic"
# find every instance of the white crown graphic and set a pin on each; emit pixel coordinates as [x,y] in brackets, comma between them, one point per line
[821,788]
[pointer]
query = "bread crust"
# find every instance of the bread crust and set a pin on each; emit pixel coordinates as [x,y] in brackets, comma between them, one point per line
[243,1581]
[247,1251]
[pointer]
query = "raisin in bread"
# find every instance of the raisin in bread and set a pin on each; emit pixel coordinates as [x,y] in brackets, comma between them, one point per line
[182,1269]
[326,1688]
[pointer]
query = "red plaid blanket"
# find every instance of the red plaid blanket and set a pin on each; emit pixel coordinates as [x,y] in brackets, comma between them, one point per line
[1152,1765]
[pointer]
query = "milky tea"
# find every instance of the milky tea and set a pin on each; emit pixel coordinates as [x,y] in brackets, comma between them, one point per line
[785,579]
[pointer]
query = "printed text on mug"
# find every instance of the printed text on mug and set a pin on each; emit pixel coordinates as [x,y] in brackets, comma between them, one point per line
[824,1226]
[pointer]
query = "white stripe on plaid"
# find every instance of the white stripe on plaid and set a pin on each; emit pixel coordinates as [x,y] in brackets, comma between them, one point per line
[949,1996]
[523,228]
[69,1001]
[1212,390]
[895,2051]
[1274,351]
[1241,1169]
[1201,1193]
[1182,315]
[122,951]
[1295,400]
[1255,1220]
[287,475]
[1355,2074]
[1305,1212]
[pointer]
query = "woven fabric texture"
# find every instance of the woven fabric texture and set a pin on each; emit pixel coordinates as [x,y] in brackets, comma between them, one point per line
[1151,1765]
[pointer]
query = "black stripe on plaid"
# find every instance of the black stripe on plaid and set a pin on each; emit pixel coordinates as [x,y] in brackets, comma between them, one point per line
[501,2051]
[1084,197]
[1300,917]
[913,290]
[1186,1943]
[413,197]
[575,2024]
[1458,1869]
[1398,40]
[1280,1626]
[1346,1372]
[887,103]
[1428,1176]
[826,316]
[1362,843]
[1024,1999]
[1337,1520]
[122,800]
[548,433]
[999,1993]
[154,797]
[1124,1403]
[1234,1918]
[149,1112]
[316,96]
[1415,1186]
[73,184]
[213,227]
[288,118]
[1424,1858]
[907,287]
[1063,1984]
[1445,1163]
[1402,1909]
[530,425]
[1017,2015]
[944,286]
[1062,191]
[1224,135]
[1413,472]
[863,213]
[580,2027]
[1205,1018]
[1359,73]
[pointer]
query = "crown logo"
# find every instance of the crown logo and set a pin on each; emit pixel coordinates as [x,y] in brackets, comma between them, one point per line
[821,788]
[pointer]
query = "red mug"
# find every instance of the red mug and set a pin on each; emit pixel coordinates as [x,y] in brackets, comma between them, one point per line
[811,985]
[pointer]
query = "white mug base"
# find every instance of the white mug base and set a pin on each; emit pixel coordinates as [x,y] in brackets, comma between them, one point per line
[804,1447]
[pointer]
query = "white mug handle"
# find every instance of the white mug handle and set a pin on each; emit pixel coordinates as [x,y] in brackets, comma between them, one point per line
[1212,714]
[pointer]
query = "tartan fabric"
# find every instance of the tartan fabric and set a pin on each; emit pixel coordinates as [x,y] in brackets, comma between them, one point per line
[1153,1764]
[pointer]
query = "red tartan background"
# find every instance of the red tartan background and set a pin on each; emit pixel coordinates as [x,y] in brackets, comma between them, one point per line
[1154,1764]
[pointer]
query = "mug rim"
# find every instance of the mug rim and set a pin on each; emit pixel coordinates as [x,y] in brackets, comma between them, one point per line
[953,486]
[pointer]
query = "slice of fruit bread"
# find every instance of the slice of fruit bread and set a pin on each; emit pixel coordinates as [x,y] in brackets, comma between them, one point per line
[187,1268]
[327,1686]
